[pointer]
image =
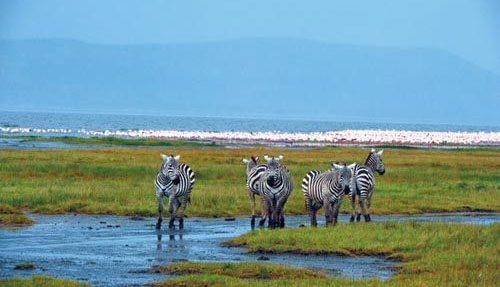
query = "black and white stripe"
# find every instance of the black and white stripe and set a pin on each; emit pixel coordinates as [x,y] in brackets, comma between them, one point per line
[325,188]
[275,185]
[364,184]
[254,172]
[176,182]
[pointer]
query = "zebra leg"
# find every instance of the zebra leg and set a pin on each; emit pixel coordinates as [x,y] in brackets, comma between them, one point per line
[274,214]
[183,209]
[352,197]
[335,211]
[364,208]
[172,210]
[360,203]
[159,197]
[368,205]
[314,208]
[281,213]
[328,213]
[252,205]
[264,211]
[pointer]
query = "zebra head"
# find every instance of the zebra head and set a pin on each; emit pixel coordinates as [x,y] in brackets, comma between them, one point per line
[170,167]
[273,173]
[251,163]
[344,178]
[374,160]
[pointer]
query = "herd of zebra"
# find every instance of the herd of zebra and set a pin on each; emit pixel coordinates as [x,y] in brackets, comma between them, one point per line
[272,182]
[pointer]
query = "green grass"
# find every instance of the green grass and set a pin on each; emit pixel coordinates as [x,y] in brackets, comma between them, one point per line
[432,254]
[14,220]
[116,141]
[244,270]
[120,181]
[39,281]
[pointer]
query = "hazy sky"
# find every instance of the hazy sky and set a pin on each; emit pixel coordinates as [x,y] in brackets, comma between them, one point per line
[468,28]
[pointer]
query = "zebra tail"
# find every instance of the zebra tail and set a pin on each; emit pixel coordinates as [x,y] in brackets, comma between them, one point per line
[305,188]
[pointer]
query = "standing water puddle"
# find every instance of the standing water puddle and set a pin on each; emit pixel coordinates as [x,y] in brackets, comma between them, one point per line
[115,251]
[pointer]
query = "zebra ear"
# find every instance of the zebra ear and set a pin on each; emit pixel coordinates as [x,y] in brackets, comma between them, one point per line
[267,158]
[380,152]
[256,159]
[177,157]
[164,157]
[373,150]
[352,165]
[280,157]
[337,166]
[245,161]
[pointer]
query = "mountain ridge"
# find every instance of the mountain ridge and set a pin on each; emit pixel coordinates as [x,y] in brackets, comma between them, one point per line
[257,76]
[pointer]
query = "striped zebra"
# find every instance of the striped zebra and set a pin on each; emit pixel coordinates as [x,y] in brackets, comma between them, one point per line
[364,184]
[175,181]
[326,188]
[275,186]
[254,172]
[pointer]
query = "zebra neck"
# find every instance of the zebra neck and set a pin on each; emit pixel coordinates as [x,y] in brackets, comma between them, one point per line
[371,162]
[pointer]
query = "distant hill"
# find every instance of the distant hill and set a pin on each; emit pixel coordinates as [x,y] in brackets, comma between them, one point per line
[250,77]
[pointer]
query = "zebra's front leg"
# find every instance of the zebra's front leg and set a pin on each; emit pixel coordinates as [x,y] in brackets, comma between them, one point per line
[335,211]
[172,210]
[264,211]
[281,214]
[159,197]
[314,209]
[328,213]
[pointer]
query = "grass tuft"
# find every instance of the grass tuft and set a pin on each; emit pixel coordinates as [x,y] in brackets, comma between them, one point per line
[39,281]
[14,220]
[243,270]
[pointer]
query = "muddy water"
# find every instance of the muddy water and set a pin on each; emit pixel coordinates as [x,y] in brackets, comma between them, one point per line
[117,251]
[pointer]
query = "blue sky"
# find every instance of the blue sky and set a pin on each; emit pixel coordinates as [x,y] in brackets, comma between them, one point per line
[468,28]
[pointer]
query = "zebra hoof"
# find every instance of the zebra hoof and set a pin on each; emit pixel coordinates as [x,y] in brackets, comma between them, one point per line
[262,222]
[358,217]
[158,225]
[252,221]
[351,219]
[171,225]
[367,218]
[181,223]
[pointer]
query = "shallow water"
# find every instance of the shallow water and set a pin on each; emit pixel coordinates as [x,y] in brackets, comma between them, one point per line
[115,251]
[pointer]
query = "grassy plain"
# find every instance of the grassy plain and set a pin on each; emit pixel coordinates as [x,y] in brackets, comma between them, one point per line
[432,254]
[121,181]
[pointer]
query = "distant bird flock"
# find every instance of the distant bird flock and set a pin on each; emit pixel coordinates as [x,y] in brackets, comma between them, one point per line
[299,138]
[272,182]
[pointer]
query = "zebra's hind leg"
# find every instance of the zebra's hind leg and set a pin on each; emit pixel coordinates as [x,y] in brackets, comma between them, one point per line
[364,209]
[252,205]
[183,209]
[314,209]
[352,197]
[361,210]
[159,197]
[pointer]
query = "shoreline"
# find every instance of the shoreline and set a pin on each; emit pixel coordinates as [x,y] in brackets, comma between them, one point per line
[345,138]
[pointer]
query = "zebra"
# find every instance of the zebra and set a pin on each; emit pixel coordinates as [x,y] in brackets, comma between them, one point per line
[254,172]
[326,188]
[175,181]
[275,186]
[364,184]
